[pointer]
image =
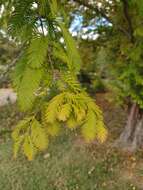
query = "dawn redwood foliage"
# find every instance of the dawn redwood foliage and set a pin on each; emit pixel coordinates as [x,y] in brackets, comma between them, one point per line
[45,76]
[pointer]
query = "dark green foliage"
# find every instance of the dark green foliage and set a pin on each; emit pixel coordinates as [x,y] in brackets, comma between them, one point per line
[117,56]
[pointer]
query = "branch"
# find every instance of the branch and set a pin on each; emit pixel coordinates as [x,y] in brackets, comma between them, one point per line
[101,12]
[96,9]
[41,24]
[11,65]
[128,19]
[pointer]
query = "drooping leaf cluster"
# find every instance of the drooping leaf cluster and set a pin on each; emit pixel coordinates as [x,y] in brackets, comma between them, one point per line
[45,78]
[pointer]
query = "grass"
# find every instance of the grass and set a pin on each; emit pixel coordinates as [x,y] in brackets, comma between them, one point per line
[68,164]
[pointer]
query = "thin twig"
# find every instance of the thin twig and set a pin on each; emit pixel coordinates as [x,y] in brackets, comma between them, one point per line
[101,13]
[12,64]
[96,9]
[41,24]
[50,61]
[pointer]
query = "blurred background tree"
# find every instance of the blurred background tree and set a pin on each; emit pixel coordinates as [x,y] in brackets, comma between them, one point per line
[8,52]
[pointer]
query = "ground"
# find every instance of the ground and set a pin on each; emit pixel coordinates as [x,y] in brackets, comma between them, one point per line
[69,163]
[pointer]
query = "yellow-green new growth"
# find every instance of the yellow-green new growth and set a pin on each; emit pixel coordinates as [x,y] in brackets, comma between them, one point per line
[30,136]
[77,109]
[53,104]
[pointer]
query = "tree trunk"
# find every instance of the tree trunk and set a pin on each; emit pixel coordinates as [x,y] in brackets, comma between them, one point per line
[132,136]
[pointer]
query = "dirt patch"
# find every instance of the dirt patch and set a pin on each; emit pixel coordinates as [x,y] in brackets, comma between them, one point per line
[7,96]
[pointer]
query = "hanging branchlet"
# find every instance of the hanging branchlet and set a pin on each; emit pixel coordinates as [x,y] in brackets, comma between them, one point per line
[63,102]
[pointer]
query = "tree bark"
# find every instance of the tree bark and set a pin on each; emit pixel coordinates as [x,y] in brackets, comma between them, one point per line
[132,136]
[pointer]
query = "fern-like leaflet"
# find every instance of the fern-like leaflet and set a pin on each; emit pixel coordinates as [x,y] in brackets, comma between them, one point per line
[49,67]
